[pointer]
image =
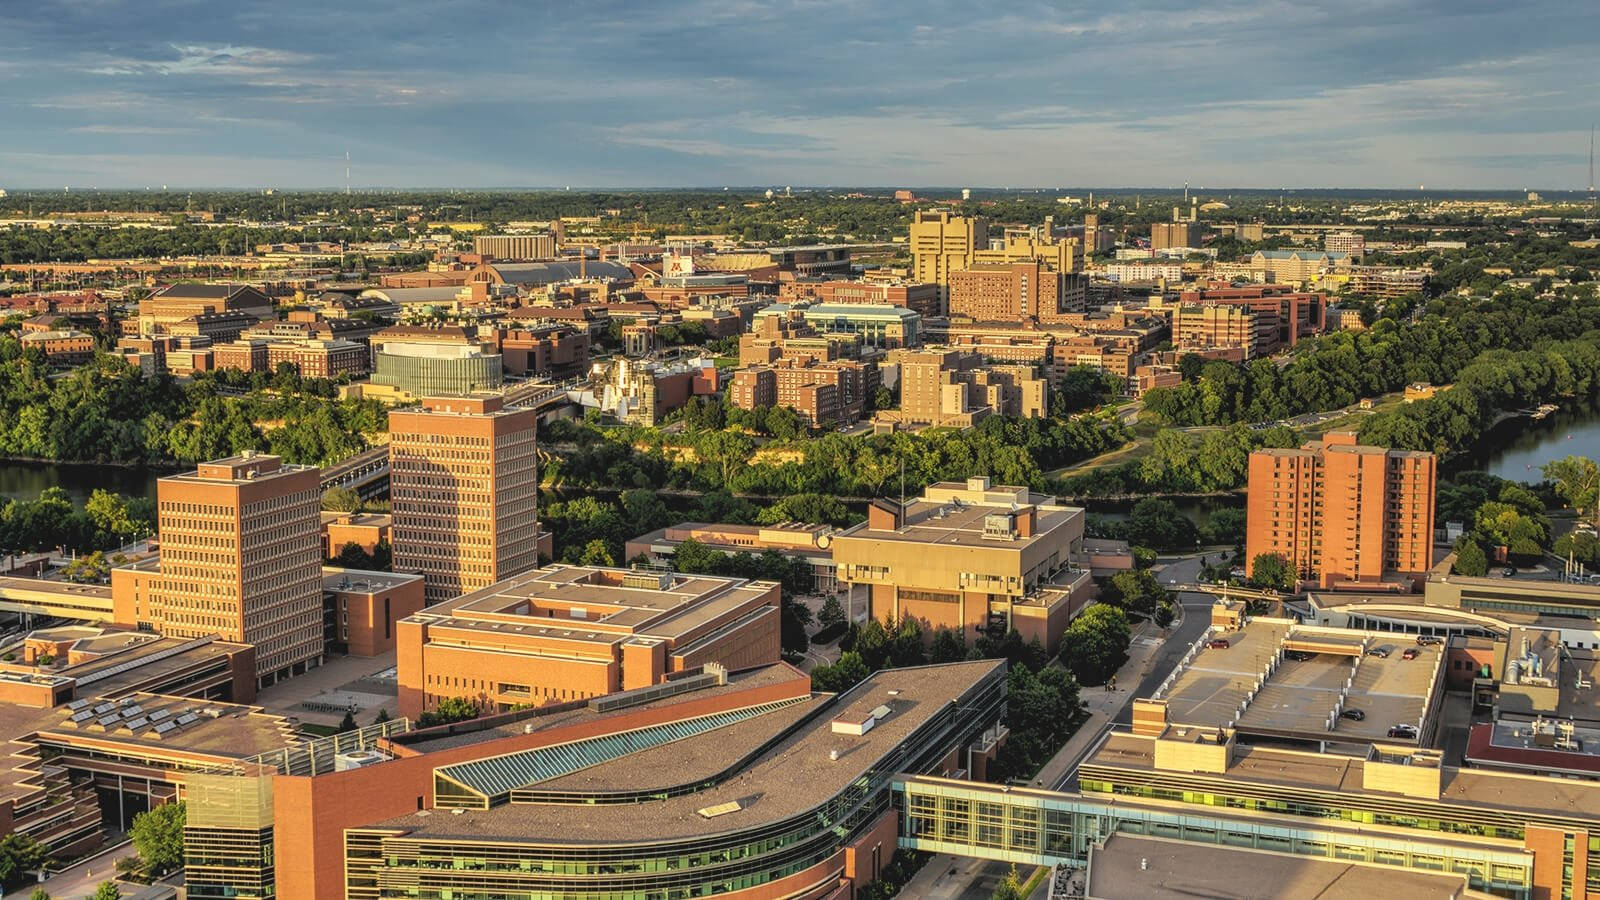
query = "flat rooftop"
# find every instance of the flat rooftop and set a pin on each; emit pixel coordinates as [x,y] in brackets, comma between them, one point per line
[1309,669]
[962,524]
[1303,770]
[804,770]
[430,740]
[362,581]
[616,604]
[1134,867]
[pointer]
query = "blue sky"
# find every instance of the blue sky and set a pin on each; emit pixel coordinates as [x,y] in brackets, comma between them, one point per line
[1254,93]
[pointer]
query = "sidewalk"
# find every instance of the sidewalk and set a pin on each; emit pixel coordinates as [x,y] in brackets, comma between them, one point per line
[1103,705]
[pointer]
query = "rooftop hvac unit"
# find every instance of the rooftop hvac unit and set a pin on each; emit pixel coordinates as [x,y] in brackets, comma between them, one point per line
[357,759]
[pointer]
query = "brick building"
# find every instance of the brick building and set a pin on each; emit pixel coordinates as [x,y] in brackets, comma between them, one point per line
[463,492]
[1015,291]
[952,387]
[241,557]
[1343,514]
[573,632]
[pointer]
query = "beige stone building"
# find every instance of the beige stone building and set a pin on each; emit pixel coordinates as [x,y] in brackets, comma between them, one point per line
[968,554]
[942,243]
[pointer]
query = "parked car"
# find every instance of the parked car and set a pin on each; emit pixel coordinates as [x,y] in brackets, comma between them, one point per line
[1411,653]
[1403,731]
[1509,571]
[1218,644]
[1354,715]
[1379,652]
[1297,655]
[1428,640]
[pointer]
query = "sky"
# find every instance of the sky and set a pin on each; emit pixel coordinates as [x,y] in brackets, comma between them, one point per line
[603,93]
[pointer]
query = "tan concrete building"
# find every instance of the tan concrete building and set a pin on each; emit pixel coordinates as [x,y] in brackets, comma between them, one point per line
[1343,514]
[463,490]
[241,558]
[515,246]
[952,387]
[239,304]
[968,554]
[942,243]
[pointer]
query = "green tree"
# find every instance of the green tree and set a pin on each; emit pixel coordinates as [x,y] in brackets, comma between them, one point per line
[107,890]
[110,513]
[1010,887]
[1136,591]
[850,670]
[341,499]
[39,894]
[1272,570]
[832,613]
[596,553]
[1470,558]
[348,723]
[1577,481]
[157,835]
[1506,526]
[450,709]
[1096,643]
[90,567]
[19,854]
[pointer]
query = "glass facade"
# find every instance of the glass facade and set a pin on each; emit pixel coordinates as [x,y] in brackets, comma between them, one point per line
[389,862]
[1046,828]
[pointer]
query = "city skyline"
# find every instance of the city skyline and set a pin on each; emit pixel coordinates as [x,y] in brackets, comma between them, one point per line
[704,94]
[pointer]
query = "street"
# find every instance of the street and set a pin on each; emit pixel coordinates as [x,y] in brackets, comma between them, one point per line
[1149,661]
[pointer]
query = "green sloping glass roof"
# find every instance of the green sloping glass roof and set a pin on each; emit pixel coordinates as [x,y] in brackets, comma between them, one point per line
[496,777]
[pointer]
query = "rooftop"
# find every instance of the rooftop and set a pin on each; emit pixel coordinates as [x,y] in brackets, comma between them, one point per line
[1305,771]
[591,604]
[805,769]
[1306,670]
[1147,868]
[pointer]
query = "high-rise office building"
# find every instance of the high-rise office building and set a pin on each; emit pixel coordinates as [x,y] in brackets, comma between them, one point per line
[464,492]
[1342,513]
[241,558]
[941,243]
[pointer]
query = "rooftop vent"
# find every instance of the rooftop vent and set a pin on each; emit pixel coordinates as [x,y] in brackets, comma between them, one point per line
[721,809]
[650,581]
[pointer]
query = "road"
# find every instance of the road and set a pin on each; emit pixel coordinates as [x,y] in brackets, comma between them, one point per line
[959,878]
[1196,618]
[80,880]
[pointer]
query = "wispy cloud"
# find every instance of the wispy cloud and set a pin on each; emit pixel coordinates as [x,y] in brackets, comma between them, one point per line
[1048,92]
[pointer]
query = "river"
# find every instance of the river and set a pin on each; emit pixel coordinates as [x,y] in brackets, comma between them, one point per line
[1517,448]
[25,480]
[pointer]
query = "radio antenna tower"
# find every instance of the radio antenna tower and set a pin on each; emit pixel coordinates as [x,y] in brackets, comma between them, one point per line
[1591,163]
[347,173]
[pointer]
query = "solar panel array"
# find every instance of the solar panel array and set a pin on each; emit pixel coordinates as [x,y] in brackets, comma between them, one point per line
[129,714]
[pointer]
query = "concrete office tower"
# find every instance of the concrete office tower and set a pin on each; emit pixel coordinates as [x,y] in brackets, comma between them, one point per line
[941,243]
[1341,513]
[241,558]
[464,492]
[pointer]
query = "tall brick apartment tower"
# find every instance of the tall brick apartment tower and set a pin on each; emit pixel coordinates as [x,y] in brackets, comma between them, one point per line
[1343,514]
[241,558]
[464,492]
